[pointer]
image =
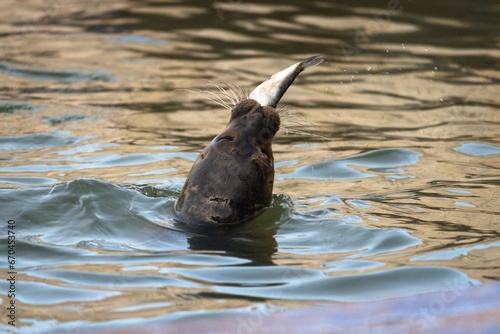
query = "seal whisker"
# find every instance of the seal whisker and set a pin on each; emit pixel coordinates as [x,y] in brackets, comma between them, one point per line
[240,91]
[226,94]
[296,123]
[234,93]
[206,95]
[233,90]
[218,99]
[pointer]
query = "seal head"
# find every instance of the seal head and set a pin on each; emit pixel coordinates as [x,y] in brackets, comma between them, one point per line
[232,180]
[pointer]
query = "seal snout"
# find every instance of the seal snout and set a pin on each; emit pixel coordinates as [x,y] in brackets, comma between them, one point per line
[251,120]
[244,107]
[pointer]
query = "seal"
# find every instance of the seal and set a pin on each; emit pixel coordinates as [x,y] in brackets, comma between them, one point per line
[232,179]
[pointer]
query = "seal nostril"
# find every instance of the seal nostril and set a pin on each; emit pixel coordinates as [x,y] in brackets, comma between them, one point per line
[259,110]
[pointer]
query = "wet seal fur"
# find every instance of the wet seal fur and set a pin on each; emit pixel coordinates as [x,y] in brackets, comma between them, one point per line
[232,180]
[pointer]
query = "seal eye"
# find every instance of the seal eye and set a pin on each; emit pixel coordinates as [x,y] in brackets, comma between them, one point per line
[228,138]
[264,153]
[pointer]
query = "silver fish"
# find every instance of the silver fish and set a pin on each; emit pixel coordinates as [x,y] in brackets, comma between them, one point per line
[270,92]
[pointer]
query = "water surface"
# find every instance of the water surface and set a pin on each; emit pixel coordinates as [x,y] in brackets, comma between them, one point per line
[394,192]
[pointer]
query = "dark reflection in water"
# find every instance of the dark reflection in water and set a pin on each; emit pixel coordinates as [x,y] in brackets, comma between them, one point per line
[257,245]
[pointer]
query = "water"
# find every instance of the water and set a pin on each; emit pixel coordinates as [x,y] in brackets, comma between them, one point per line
[97,137]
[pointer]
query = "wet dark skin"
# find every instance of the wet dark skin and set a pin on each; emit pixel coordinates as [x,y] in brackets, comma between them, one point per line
[232,180]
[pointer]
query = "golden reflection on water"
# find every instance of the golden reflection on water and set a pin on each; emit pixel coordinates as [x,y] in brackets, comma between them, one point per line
[390,90]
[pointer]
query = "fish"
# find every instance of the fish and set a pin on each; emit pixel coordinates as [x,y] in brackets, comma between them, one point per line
[270,92]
